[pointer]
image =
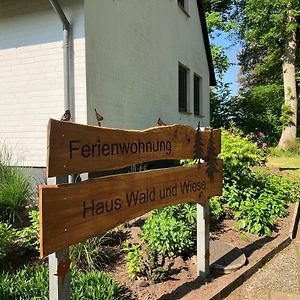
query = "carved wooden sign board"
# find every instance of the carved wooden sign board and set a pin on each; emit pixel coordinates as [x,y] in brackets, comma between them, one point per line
[71,213]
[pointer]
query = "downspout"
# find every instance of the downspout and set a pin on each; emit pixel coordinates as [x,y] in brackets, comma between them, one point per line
[68,99]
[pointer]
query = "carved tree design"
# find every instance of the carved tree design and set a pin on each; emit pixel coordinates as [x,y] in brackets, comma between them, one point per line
[212,158]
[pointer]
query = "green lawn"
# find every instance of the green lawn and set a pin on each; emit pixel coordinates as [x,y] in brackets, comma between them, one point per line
[288,165]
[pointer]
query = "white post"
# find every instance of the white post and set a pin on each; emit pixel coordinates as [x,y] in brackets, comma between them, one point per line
[203,221]
[59,264]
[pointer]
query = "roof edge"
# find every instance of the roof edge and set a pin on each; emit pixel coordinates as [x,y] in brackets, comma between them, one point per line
[212,77]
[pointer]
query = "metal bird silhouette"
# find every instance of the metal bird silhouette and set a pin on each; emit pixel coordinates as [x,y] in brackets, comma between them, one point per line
[98,117]
[66,116]
[160,122]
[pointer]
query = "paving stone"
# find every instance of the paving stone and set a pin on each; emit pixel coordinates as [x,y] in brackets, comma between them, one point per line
[279,274]
[225,257]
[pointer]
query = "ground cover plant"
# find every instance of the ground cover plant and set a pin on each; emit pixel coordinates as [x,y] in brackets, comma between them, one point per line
[32,282]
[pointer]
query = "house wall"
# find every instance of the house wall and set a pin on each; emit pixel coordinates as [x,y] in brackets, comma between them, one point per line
[133,49]
[31,74]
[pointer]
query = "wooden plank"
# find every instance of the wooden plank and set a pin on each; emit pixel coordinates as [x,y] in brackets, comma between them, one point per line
[75,148]
[71,213]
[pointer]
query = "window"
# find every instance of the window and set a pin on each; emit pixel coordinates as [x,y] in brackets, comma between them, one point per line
[182,89]
[197,95]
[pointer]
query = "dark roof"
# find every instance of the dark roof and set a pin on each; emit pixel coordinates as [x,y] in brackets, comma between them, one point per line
[212,77]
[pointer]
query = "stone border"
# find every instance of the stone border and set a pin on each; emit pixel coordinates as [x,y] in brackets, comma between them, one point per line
[296,217]
[247,271]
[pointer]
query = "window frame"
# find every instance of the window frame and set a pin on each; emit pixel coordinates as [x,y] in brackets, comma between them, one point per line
[183,88]
[197,94]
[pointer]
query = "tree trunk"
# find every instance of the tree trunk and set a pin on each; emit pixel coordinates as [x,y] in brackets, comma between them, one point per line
[289,81]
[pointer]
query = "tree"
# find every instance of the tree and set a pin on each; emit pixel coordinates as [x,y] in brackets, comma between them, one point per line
[218,21]
[269,32]
[289,78]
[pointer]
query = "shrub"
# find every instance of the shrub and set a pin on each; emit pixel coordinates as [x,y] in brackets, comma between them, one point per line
[238,154]
[168,231]
[262,202]
[255,199]
[15,188]
[216,209]
[7,235]
[134,260]
[29,236]
[31,283]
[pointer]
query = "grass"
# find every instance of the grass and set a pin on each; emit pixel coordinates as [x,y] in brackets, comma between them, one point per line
[287,164]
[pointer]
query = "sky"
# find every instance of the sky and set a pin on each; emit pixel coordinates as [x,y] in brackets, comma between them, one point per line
[232,51]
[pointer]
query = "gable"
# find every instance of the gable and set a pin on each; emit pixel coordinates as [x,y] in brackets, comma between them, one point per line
[206,43]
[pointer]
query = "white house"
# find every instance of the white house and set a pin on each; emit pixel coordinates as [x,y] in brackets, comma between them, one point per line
[132,60]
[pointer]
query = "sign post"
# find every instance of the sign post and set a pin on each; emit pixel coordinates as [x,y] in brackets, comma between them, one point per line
[203,217]
[71,213]
[59,271]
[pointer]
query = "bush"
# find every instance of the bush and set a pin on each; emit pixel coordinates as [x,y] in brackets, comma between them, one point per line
[7,235]
[239,154]
[255,199]
[15,188]
[31,283]
[271,196]
[134,260]
[29,236]
[168,231]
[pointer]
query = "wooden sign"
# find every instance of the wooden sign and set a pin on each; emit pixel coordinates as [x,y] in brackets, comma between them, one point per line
[75,148]
[71,213]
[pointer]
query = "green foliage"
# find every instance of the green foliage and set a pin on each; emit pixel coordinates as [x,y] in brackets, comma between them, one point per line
[29,236]
[276,152]
[259,109]
[27,283]
[134,260]
[15,188]
[31,283]
[216,209]
[220,105]
[270,196]
[7,235]
[294,146]
[169,230]
[238,154]
[90,255]
[94,285]
[253,198]
[286,115]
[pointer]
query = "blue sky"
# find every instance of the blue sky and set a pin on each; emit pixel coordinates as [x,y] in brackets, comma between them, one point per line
[232,51]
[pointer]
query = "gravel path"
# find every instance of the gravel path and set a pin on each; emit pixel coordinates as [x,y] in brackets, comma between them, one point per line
[280,274]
